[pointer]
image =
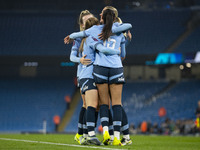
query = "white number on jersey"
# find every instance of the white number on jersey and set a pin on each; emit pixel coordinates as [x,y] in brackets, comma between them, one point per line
[110,42]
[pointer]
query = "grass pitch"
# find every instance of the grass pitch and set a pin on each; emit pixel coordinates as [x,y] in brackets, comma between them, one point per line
[66,142]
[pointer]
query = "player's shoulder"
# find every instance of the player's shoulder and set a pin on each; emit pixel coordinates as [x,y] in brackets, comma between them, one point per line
[116,24]
[97,26]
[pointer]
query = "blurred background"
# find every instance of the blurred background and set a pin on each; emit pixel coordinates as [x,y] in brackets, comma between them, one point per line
[38,90]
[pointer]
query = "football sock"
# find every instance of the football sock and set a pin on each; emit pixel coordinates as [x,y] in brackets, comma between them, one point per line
[117,117]
[85,132]
[80,121]
[125,125]
[91,120]
[104,117]
[96,117]
[111,131]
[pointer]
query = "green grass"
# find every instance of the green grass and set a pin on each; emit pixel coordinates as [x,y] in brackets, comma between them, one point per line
[139,142]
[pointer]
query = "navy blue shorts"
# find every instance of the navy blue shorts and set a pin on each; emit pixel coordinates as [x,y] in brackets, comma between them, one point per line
[108,75]
[87,84]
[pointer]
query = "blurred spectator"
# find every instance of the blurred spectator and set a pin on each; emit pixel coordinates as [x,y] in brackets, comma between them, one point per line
[144,127]
[198,110]
[56,120]
[68,101]
[132,129]
[168,127]
[197,122]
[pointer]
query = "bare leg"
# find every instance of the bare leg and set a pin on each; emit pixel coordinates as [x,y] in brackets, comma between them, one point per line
[116,93]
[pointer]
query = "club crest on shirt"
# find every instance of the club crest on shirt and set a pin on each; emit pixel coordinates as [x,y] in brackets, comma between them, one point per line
[94,39]
[121,79]
[85,87]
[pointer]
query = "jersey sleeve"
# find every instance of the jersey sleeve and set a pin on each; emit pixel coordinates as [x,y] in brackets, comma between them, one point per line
[75,35]
[123,49]
[74,57]
[74,52]
[121,27]
[89,31]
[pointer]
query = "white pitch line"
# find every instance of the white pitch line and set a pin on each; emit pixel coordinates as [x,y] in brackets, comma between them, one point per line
[50,143]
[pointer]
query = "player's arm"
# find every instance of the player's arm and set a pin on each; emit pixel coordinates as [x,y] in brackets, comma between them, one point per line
[73,56]
[123,51]
[82,60]
[118,29]
[75,35]
[107,50]
[128,38]
[95,44]
[121,28]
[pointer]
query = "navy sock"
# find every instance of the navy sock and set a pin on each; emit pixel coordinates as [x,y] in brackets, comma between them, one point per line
[96,117]
[125,125]
[117,117]
[104,115]
[91,118]
[84,123]
[111,132]
[80,121]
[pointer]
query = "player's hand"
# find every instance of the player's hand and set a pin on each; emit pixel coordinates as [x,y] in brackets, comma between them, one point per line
[85,61]
[129,35]
[67,40]
[101,36]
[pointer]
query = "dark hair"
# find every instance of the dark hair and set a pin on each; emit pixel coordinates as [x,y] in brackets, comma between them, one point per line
[89,23]
[108,18]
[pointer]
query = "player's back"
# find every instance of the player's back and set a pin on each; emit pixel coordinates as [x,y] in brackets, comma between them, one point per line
[112,61]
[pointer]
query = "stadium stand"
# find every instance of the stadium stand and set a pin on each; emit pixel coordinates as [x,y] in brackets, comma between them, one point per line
[135,94]
[180,101]
[25,103]
[141,90]
[73,124]
[35,33]
[43,33]
[191,43]
[154,31]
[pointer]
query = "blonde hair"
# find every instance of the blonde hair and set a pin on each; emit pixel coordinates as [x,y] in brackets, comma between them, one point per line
[89,23]
[80,20]
[113,9]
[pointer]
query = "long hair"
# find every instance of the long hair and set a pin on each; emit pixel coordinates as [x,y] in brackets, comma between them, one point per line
[114,10]
[88,24]
[80,20]
[108,18]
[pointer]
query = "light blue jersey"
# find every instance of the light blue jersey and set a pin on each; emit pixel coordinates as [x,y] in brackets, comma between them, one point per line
[90,46]
[75,55]
[86,71]
[111,61]
[113,42]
